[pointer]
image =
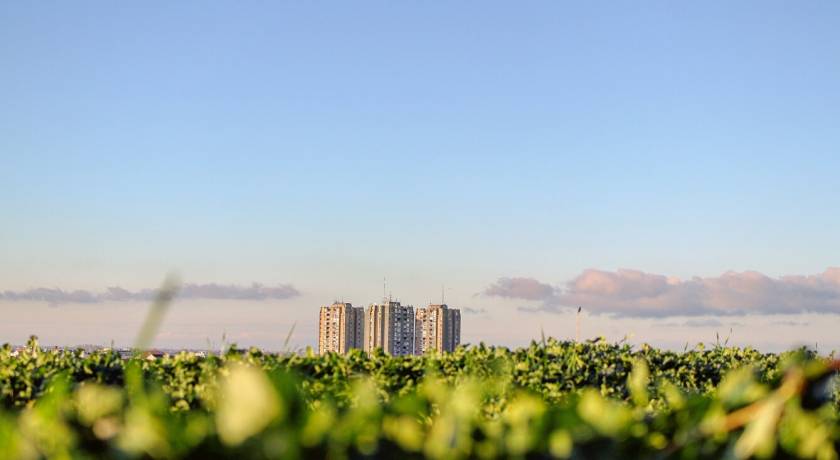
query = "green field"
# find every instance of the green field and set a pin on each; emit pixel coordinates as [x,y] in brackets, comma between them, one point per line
[552,399]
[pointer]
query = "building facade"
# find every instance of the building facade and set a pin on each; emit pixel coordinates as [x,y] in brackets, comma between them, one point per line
[437,327]
[340,328]
[389,326]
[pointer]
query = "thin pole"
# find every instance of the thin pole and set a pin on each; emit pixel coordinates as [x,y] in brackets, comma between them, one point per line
[577,326]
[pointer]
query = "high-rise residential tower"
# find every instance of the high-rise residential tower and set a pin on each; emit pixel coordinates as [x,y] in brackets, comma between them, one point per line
[340,328]
[437,327]
[390,326]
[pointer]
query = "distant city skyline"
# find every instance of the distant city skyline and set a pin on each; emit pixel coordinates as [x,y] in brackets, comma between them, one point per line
[539,306]
[390,326]
[670,168]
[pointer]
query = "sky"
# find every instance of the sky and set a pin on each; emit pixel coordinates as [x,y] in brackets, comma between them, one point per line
[671,168]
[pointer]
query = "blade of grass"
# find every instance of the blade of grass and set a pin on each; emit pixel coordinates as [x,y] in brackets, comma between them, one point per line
[289,337]
[168,291]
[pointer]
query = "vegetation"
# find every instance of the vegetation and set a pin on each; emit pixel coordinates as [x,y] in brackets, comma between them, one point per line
[550,400]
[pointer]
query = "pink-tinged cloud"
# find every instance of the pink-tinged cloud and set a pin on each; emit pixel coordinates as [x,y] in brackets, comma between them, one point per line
[520,288]
[636,293]
[255,291]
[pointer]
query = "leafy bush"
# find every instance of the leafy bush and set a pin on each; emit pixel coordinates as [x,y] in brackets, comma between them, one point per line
[549,400]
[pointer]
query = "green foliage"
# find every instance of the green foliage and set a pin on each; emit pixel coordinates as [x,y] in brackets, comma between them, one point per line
[550,400]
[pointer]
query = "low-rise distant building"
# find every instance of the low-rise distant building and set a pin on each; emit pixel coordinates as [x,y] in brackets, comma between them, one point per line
[151,355]
[437,327]
[125,353]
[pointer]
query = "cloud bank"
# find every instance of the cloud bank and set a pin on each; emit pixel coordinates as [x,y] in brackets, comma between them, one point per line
[634,293]
[255,291]
[699,323]
[520,288]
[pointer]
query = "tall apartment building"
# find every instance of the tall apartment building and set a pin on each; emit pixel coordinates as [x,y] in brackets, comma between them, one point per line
[390,326]
[340,328]
[437,327]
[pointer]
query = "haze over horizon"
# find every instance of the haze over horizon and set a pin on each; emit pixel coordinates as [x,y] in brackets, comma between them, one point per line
[670,168]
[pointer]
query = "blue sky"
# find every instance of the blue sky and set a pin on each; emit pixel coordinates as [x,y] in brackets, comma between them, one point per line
[328,145]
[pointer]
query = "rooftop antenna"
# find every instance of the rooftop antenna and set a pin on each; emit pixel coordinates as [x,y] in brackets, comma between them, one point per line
[577,326]
[442,295]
